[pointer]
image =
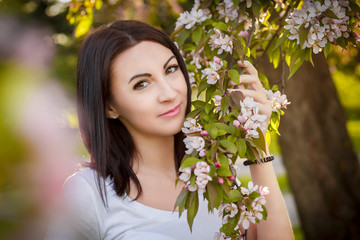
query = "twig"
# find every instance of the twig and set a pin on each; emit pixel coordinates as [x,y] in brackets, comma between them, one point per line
[282,72]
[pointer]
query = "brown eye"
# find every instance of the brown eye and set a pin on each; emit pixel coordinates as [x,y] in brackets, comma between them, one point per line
[171,69]
[140,85]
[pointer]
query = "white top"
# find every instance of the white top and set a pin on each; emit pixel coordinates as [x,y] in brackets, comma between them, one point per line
[85,216]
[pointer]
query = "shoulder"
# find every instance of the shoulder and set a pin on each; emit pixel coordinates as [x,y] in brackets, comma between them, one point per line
[80,205]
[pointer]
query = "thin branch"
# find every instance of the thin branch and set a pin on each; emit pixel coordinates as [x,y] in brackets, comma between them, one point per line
[282,72]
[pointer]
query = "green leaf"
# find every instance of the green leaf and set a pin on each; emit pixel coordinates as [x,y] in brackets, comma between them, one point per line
[234,75]
[208,108]
[222,126]
[241,147]
[221,26]
[238,48]
[303,34]
[219,194]
[280,41]
[330,14]
[276,57]
[184,34]
[188,162]
[196,35]
[228,145]
[180,201]
[260,141]
[223,160]
[198,104]
[213,149]
[209,91]
[341,42]
[234,196]
[212,193]
[204,40]
[224,171]
[214,133]
[193,208]
[294,68]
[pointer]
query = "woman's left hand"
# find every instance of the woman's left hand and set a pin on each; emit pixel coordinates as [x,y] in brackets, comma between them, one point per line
[255,90]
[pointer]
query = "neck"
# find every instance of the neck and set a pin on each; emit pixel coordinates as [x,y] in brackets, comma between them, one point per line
[156,154]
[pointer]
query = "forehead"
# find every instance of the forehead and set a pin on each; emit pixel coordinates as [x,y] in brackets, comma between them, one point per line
[144,56]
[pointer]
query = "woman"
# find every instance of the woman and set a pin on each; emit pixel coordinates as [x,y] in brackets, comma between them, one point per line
[133,94]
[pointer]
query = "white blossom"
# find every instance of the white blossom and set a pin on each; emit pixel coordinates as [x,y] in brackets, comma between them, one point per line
[251,188]
[322,29]
[195,16]
[191,126]
[220,41]
[219,236]
[278,100]
[201,168]
[227,10]
[194,143]
[211,75]
[186,174]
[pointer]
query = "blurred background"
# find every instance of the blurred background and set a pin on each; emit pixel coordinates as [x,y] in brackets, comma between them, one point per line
[40,145]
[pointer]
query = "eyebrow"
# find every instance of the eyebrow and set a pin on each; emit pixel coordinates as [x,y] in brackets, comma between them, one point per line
[148,74]
[173,56]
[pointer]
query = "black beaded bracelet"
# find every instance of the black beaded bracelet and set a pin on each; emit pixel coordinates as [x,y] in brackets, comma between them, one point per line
[262,160]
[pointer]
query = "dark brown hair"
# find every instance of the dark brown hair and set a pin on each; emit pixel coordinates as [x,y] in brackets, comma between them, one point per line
[109,143]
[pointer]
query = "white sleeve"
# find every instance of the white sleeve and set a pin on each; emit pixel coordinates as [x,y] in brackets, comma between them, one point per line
[78,217]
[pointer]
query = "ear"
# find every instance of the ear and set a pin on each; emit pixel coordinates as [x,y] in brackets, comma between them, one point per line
[111,111]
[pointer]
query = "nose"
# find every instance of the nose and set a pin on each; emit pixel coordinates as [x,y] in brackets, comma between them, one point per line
[167,92]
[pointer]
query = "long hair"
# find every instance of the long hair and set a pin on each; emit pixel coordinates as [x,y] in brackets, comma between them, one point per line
[109,143]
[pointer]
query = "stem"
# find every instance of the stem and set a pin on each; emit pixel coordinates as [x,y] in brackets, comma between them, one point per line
[282,72]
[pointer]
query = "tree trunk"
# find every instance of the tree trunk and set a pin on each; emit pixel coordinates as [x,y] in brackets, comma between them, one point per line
[322,167]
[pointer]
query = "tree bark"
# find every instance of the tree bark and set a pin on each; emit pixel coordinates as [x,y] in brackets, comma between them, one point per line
[322,167]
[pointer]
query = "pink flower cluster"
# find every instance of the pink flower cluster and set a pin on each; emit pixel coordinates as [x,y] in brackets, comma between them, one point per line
[211,73]
[201,170]
[249,118]
[220,41]
[278,100]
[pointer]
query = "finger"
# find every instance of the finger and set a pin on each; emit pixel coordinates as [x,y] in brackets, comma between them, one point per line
[250,79]
[248,67]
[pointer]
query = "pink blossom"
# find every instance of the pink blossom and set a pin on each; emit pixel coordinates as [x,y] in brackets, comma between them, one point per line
[220,180]
[217,164]
[202,153]
[204,133]
[244,34]
[201,168]
[264,190]
[236,123]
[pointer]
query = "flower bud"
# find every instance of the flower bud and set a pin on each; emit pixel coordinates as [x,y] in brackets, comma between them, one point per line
[236,123]
[217,60]
[202,153]
[243,34]
[204,133]
[231,178]
[217,164]
[220,180]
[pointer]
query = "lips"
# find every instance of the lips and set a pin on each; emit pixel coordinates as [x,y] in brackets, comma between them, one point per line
[172,113]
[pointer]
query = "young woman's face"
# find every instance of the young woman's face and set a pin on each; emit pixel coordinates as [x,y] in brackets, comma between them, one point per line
[148,90]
